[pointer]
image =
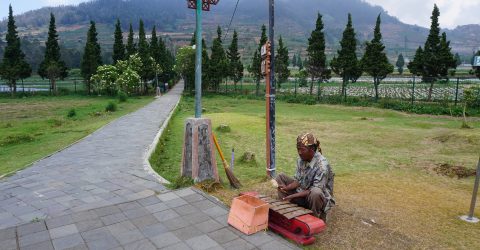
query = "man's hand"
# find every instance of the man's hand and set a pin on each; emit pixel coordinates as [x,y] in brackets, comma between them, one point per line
[288,198]
[282,188]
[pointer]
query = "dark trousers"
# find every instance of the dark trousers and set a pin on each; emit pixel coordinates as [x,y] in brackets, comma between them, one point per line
[315,201]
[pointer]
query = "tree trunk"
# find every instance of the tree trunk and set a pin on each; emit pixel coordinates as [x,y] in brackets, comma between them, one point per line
[311,86]
[375,82]
[257,88]
[430,90]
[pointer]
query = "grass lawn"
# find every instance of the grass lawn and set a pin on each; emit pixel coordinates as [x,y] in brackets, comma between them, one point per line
[388,193]
[33,127]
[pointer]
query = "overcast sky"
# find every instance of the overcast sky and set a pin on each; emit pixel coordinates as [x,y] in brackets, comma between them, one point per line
[453,12]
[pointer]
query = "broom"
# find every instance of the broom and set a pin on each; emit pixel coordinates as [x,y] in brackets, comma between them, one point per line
[234,182]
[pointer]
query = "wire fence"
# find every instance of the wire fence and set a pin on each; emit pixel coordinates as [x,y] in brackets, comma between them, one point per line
[37,84]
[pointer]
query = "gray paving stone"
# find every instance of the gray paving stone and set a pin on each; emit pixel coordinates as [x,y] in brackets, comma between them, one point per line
[258,239]
[59,221]
[121,227]
[69,241]
[7,233]
[129,205]
[144,221]
[208,226]
[187,233]
[168,196]
[201,242]
[184,192]
[113,218]
[166,215]
[216,211]
[222,219]
[8,244]
[149,201]
[46,245]
[274,245]
[103,211]
[178,246]
[223,235]
[63,231]
[96,234]
[157,207]
[144,244]
[33,238]
[164,240]
[176,223]
[108,242]
[88,225]
[203,204]
[135,213]
[128,236]
[196,217]
[238,244]
[176,203]
[154,230]
[84,215]
[186,209]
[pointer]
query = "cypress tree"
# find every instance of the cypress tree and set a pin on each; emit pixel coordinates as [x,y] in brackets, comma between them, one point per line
[375,61]
[218,61]
[13,66]
[131,47]
[281,63]
[447,59]
[52,67]
[91,56]
[299,63]
[458,60]
[235,63]
[400,63]
[118,46]
[416,65]
[256,66]
[146,71]
[346,64]
[294,60]
[317,61]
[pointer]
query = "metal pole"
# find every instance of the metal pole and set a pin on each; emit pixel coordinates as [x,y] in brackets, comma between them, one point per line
[456,92]
[470,217]
[198,62]
[271,94]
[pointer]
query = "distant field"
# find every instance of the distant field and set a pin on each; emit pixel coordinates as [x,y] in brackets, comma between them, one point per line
[388,192]
[33,127]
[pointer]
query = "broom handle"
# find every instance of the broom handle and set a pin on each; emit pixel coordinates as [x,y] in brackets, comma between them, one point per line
[218,147]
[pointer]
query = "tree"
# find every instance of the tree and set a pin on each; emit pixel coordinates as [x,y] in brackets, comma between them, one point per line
[91,56]
[375,61]
[218,61]
[281,63]
[52,67]
[256,67]
[13,66]
[234,60]
[118,47]
[131,47]
[447,59]
[185,66]
[400,63]
[458,60]
[416,65]
[299,63]
[317,61]
[146,72]
[294,60]
[346,64]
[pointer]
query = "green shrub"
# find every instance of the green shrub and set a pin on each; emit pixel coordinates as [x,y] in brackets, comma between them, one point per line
[63,91]
[71,113]
[122,96]
[111,107]
[17,139]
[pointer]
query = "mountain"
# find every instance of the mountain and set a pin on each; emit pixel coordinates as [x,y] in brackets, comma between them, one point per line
[295,19]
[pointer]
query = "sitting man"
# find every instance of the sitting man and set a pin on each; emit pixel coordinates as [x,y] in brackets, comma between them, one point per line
[312,185]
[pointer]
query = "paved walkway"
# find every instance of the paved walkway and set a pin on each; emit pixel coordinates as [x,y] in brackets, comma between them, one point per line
[97,194]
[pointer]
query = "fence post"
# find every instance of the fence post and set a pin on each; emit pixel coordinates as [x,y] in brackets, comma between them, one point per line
[456,92]
[413,90]
[75,84]
[318,92]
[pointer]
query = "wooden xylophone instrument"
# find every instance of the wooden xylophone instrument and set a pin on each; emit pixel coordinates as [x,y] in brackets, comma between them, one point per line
[291,220]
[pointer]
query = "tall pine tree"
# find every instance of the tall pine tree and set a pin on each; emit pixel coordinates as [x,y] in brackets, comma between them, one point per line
[256,67]
[235,63]
[281,63]
[13,66]
[118,46]
[447,59]
[294,60]
[375,61]
[415,66]
[346,64]
[146,72]
[91,56]
[317,61]
[52,67]
[400,63]
[218,61]
[131,48]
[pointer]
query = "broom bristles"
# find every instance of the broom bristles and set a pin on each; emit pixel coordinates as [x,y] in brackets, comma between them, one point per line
[234,182]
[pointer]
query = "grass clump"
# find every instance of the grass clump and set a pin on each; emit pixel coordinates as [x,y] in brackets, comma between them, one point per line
[181,182]
[224,128]
[122,96]
[17,139]
[71,113]
[111,107]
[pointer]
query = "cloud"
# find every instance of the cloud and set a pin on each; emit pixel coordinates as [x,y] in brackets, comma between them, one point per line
[452,13]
